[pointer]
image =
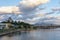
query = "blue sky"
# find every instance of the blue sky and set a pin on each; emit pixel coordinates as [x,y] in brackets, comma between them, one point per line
[9,2]
[31,11]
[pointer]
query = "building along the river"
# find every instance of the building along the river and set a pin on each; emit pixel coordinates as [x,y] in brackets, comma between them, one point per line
[4,25]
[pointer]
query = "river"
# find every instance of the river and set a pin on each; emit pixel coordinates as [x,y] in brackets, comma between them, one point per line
[40,34]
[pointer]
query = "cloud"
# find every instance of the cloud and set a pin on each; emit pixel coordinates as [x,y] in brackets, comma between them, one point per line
[33,3]
[56,8]
[50,19]
[58,17]
[25,6]
[33,20]
[28,6]
[9,9]
[1,16]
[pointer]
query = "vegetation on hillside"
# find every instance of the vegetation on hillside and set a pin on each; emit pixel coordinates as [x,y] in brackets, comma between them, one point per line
[18,24]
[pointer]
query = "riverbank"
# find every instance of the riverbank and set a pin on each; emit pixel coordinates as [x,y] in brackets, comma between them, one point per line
[6,32]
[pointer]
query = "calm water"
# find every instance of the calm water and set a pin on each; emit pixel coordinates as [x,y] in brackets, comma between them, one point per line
[42,34]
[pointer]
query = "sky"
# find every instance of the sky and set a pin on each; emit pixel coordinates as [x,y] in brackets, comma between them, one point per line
[31,11]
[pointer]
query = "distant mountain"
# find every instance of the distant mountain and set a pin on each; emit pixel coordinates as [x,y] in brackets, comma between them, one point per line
[43,24]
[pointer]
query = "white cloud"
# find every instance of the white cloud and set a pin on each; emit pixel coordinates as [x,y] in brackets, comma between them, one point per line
[56,8]
[9,9]
[1,16]
[29,6]
[58,17]
[24,6]
[33,3]
[20,16]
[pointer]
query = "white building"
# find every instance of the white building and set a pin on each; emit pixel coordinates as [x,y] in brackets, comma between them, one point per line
[4,25]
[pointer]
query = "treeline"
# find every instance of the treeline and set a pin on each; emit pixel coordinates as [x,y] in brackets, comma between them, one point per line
[18,24]
[49,27]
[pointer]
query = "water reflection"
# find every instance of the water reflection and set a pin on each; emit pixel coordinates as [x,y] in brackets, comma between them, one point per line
[42,34]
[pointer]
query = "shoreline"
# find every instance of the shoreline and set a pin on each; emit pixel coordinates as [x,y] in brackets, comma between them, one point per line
[19,30]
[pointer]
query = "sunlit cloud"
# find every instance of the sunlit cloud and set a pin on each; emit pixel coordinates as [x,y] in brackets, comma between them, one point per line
[33,3]
[9,9]
[29,6]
